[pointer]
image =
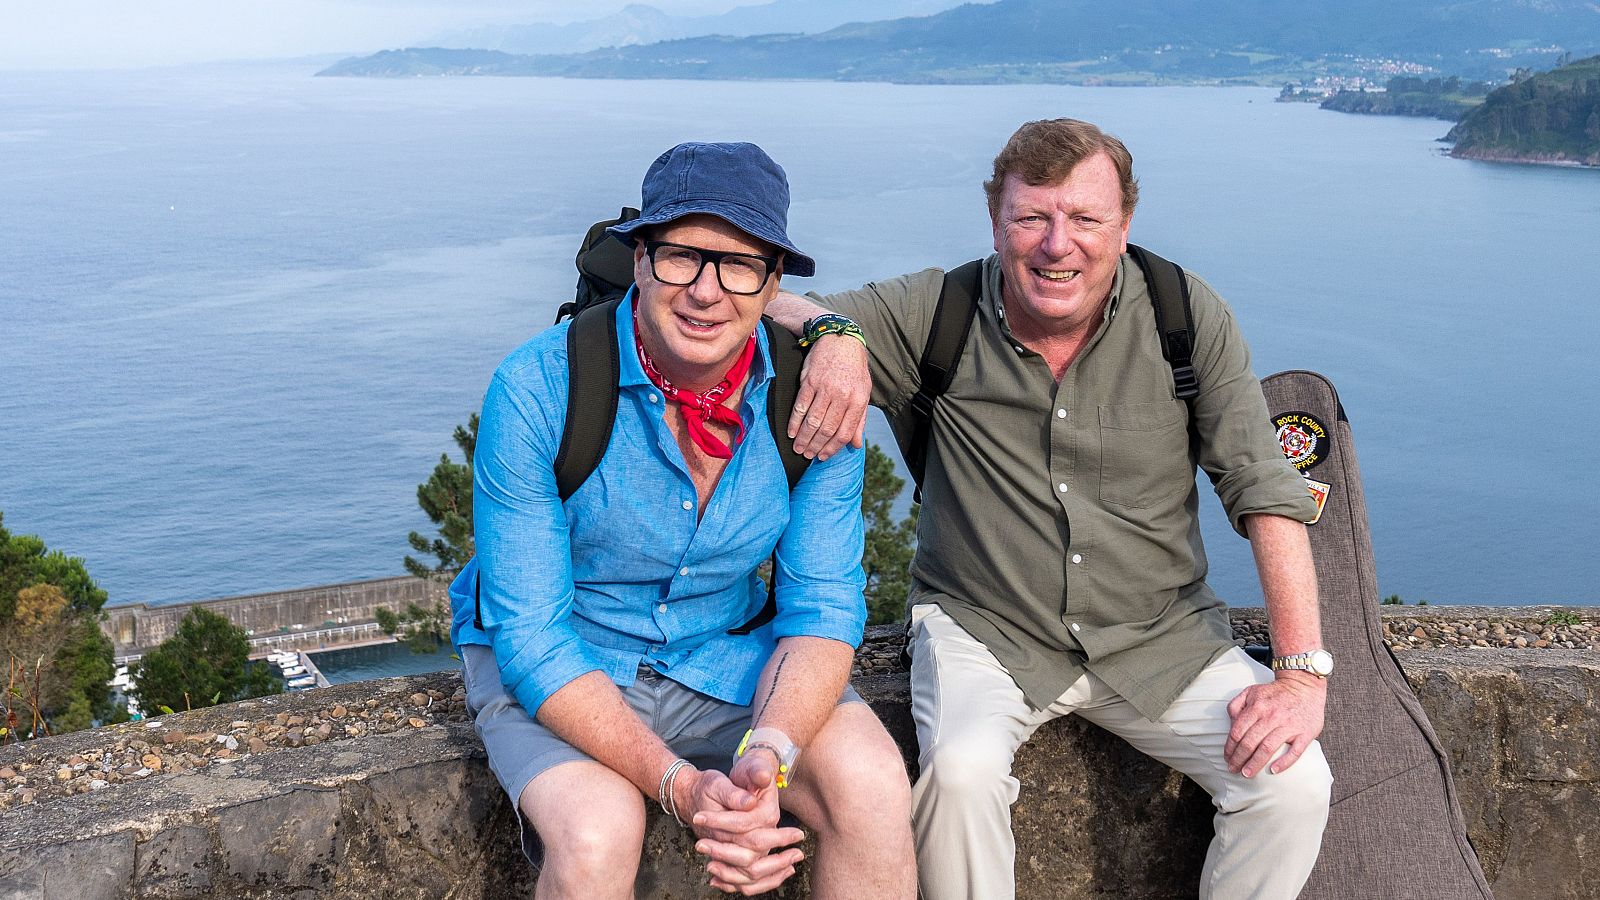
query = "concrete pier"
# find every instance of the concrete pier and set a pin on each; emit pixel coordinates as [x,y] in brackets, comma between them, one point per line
[313,671]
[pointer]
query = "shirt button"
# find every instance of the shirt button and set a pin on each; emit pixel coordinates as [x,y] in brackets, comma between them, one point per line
[1077,558]
[1076,627]
[654,399]
[1021,349]
[684,570]
[1061,414]
[661,607]
[1062,487]
[688,504]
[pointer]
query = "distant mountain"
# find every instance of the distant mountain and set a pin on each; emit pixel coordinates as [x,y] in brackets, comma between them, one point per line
[1089,40]
[1550,117]
[633,24]
[642,24]
[1222,39]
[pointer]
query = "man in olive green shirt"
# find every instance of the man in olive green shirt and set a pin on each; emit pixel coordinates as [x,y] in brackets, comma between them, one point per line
[1059,566]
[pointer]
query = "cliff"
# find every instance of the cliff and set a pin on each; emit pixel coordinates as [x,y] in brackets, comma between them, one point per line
[1552,117]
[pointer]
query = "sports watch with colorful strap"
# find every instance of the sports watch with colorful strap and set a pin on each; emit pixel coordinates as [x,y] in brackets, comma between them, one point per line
[829,323]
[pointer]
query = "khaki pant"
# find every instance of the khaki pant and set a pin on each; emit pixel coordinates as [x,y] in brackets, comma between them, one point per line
[971,718]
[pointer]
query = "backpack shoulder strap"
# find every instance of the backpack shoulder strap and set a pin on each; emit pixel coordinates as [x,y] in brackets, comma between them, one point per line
[593,368]
[787,359]
[592,372]
[952,323]
[1169,294]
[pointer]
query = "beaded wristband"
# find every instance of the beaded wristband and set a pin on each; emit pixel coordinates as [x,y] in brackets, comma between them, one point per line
[831,323]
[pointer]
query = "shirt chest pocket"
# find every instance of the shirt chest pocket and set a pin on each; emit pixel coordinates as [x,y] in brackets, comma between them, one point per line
[1144,453]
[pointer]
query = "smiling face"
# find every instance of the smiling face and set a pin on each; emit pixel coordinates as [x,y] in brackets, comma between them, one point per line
[1059,245]
[694,333]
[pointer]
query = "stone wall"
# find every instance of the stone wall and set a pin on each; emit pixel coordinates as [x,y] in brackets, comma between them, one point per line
[137,627]
[380,788]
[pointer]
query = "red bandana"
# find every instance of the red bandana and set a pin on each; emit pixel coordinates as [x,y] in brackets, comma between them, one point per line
[696,408]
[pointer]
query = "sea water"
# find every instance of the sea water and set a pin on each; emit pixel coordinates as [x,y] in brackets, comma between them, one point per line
[242,308]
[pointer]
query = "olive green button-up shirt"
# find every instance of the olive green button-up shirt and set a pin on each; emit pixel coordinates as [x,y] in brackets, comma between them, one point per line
[1060,521]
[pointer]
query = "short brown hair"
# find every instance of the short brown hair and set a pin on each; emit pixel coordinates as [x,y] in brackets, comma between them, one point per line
[1046,152]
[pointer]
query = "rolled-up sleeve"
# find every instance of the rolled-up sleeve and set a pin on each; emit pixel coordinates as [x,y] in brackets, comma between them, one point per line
[818,560]
[1238,449]
[523,544]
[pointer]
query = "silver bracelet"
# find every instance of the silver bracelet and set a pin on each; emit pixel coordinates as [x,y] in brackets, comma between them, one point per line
[669,803]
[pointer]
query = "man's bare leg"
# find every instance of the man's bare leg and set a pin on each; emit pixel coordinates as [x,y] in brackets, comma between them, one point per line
[851,791]
[591,821]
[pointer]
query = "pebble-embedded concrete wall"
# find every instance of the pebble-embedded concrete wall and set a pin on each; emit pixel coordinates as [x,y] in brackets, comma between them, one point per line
[380,788]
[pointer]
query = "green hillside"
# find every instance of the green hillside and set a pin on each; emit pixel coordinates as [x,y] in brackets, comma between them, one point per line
[1437,98]
[1551,117]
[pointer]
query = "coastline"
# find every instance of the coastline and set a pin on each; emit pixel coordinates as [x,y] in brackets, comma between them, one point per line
[1507,156]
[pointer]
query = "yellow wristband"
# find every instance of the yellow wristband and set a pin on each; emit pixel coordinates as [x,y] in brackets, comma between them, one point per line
[776,741]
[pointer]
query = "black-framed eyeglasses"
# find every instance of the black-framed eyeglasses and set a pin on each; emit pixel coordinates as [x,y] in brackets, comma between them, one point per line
[681,265]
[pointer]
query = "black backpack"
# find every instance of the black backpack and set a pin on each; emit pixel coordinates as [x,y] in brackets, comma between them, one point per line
[605,272]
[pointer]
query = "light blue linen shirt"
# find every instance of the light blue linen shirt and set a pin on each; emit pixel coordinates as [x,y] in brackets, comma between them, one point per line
[622,574]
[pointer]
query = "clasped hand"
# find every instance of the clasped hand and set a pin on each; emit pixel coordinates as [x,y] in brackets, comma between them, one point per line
[735,818]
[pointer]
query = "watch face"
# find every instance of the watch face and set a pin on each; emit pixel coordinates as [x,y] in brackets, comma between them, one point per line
[1321,663]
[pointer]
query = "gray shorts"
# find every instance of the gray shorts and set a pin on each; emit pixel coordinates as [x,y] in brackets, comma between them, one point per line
[701,729]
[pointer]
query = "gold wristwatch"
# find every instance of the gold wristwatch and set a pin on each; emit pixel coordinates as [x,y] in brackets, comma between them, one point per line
[1317,662]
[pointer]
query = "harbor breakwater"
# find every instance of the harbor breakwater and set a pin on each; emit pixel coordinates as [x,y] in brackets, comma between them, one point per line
[304,618]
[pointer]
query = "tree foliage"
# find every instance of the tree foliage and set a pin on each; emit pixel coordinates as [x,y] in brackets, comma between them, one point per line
[446,497]
[1439,98]
[422,628]
[890,543]
[205,662]
[37,632]
[56,659]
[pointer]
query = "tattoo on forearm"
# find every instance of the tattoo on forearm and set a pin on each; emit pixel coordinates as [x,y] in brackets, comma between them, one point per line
[776,674]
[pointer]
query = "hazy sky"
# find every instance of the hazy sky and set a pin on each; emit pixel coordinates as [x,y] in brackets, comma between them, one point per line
[76,34]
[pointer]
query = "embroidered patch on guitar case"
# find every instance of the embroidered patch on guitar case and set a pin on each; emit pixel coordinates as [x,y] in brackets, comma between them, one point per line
[1303,438]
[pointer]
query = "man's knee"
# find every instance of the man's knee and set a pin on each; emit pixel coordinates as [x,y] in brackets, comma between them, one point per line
[969,764]
[858,774]
[592,841]
[595,845]
[880,772]
[1299,793]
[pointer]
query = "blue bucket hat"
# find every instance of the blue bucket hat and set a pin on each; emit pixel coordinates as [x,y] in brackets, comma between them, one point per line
[738,183]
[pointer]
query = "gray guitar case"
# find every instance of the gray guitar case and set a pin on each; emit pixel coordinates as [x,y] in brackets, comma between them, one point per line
[1395,829]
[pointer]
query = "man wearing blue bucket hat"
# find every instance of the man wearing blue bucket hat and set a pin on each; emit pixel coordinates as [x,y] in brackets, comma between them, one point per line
[600,635]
